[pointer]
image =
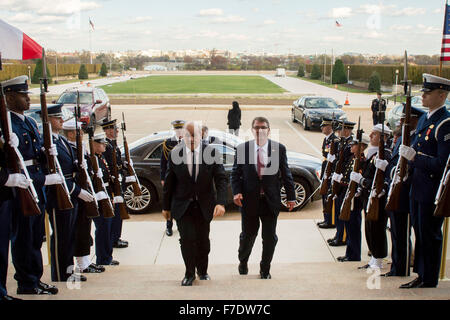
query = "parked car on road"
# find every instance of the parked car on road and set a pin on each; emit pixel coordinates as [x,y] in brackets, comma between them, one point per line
[146,154]
[310,110]
[94,103]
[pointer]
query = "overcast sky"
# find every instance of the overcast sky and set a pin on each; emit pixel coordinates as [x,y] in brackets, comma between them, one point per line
[277,26]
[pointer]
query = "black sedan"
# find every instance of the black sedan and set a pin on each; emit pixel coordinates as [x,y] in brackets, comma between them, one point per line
[310,110]
[146,154]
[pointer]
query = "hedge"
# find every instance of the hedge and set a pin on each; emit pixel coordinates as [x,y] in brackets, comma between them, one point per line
[387,72]
[15,70]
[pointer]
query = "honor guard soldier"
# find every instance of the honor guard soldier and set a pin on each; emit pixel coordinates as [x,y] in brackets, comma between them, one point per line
[353,225]
[376,230]
[28,231]
[327,129]
[378,104]
[83,239]
[63,221]
[399,226]
[346,132]
[111,132]
[7,182]
[168,145]
[103,241]
[427,157]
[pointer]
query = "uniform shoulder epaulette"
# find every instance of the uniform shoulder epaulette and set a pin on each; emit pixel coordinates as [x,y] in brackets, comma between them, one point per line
[439,126]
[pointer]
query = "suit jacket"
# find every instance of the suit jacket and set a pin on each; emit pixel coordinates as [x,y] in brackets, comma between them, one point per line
[432,143]
[245,180]
[210,187]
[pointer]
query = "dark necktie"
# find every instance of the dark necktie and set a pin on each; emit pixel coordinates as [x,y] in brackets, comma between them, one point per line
[193,166]
[259,167]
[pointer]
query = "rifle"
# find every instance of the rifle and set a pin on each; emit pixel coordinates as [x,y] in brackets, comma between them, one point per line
[62,192]
[83,179]
[335,187]
[442,200]
[373,205]
[401,168]
[105,205]
[28,197]
[324,185]
[117,189]
[351,190]
[136,185]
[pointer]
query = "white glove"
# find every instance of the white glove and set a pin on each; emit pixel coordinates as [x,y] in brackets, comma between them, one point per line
[118,199]
[99,173]
[101,196]
[382,193]
[130,179]
[373,194]
[337,177]
[358,192]
[86,196]
[120,177]
[13,140]
[18,180]
[52,151]
[407,152]
[356,177]
[54,178]
[331,157]
[381,164]
[84,165]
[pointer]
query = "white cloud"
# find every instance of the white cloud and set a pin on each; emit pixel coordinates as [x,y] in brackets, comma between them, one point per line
[21,17]
[255,9]
[333,39]
[208,34]
[409,12]
[439,10]
[397,27]
[210,12]
[343,12]
[269,21]
[229,19]
[139,19]
[234,36]
[50,7]
[391,10]
[428,30]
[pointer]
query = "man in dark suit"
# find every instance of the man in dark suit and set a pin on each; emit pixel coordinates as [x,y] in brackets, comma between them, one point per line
[378,104]
[255,182]
[193,172]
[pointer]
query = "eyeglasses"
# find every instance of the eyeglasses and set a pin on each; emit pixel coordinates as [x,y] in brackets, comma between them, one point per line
[260,127]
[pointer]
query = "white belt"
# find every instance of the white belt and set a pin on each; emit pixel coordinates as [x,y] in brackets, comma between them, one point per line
[106,184]
[31,162]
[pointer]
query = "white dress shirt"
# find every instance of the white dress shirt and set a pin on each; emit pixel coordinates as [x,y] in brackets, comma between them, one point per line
[264,153]
[189,160]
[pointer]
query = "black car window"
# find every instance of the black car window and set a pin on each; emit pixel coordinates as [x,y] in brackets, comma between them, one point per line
[321,104]
[71,98]
[156,153]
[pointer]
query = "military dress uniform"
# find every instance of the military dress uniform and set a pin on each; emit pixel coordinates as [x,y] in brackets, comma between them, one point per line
[167,146]
[399,226]
[326,147]
[113,150]
[432,146]
[377,105]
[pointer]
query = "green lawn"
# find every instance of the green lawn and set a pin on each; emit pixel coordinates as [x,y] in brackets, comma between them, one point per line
[195,84]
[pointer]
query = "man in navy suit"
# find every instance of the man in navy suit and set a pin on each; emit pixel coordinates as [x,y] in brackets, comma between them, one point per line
[193,174]
[63,221]
[255,182]
[428,156]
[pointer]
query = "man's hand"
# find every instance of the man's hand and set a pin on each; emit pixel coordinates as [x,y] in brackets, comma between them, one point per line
[407,152]
[219,210]
[290,205]
[52,179]
[237,199]
[162,183]
[166,214]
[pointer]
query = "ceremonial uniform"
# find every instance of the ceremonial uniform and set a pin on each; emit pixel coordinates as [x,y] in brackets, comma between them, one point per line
[168,145]
[377,105]
[432,146]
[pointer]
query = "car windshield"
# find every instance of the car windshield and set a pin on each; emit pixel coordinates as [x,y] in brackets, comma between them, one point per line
[321,104]
[71,98]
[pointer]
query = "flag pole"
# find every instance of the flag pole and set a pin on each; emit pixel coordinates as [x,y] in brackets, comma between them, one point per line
[90,41]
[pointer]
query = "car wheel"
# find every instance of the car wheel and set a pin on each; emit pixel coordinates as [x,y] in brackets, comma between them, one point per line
[143,203]
[305,123]
[293,117]
[302,194]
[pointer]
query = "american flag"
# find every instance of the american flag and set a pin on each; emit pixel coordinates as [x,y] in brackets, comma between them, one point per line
[91,23]
[445,51]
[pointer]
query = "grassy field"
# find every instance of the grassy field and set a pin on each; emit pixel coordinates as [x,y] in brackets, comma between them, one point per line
[195,84]
[341,87]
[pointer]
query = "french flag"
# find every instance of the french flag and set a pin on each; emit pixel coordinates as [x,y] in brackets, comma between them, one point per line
[16,45]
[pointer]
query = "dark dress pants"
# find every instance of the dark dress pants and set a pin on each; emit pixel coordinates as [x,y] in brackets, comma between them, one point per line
[194,240]
[400,243]
[5,234]
[250,225]
[103,243]
[116,225]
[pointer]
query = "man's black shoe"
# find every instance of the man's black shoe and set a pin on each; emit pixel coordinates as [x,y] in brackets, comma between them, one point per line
[8,298]
[243,268]
[91,269]
[343,259]
[331,240]
[169,232]
[120,244]
[114,263]
[412,284]
[47,287]
[204,277]
[77,277]
[187,281]
[36,291]
[98,267]
[326,226]
[389,274]
[265,275]
[336,243]
[320,222]
[366,266]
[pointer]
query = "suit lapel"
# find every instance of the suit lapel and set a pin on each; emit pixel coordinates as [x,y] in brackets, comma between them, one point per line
[250,153]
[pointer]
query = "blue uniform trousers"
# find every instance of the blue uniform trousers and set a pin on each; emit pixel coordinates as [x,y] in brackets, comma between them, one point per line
[400,243]
[5,234]
[116,226]
[353,230]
